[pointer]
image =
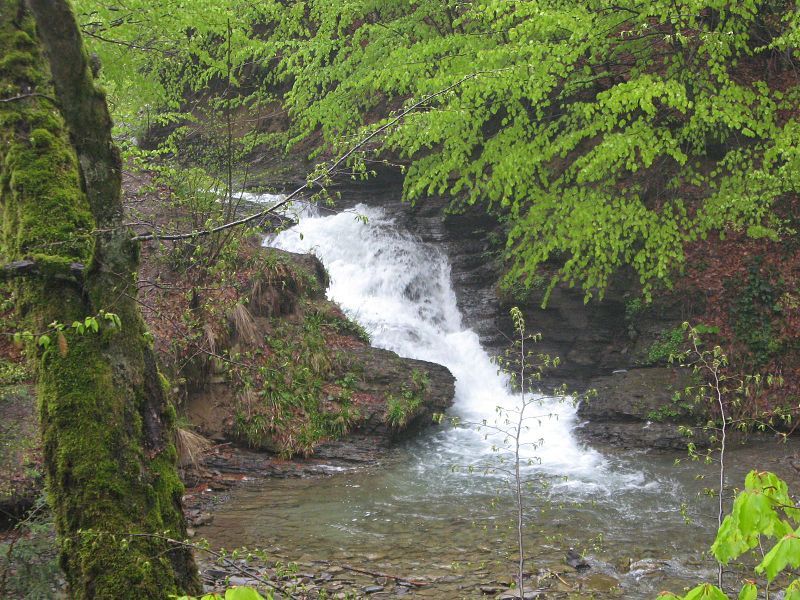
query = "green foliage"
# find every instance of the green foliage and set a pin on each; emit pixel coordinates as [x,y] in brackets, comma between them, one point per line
[282,407]
[28,558]
[669,344]
[763,513]
[520,292]
[347,326]
[402,408]
[235,593]
[570,119]
[727,394]
[13,372]
[680,406]
[757,302]
[181,65]
[604,135]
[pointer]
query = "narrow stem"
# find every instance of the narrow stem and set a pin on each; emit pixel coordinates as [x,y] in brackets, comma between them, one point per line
[721,510]
[517,474]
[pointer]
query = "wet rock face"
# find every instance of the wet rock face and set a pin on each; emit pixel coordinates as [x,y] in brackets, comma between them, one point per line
[641,408]
[639,395]
[385,372]
[590,339]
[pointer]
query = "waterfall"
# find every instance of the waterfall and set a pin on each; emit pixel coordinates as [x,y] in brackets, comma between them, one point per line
[414,508]
[400,290]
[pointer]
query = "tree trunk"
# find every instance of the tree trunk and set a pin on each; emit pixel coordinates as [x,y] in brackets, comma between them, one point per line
[108,433]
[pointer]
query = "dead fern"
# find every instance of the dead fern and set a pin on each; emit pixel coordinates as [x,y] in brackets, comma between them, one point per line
[190,446]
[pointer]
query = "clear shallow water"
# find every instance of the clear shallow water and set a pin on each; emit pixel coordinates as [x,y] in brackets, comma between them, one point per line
[432,510]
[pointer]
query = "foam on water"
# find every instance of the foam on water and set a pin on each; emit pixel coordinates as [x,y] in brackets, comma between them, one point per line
[400,290]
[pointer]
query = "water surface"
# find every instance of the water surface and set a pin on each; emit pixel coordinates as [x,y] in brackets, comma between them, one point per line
[440,507]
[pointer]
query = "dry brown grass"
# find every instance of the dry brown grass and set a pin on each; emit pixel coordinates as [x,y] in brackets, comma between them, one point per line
[246,399]
[191,446]
[211,337]
[244,325]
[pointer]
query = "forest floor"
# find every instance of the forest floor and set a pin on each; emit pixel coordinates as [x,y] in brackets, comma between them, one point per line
[20,457]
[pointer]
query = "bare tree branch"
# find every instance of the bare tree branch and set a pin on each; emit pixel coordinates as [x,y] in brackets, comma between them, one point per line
[30,95]
[153,235]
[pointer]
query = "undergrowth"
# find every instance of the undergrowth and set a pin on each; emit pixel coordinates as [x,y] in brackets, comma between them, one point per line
[287,405]
[28,557]
[401,408]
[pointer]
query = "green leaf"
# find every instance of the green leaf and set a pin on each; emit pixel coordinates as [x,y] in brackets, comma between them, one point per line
[793,591]
[706,591]
[748,592]
[785,552]
[242,593]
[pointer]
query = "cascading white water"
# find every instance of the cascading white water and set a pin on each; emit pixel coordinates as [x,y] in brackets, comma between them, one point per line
[399,289]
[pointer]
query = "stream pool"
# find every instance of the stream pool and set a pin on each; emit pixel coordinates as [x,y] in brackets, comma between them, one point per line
[440,508]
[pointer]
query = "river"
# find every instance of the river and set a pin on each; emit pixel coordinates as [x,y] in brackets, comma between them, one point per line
[440,507]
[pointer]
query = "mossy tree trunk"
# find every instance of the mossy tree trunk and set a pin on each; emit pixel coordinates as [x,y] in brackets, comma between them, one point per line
[108,433]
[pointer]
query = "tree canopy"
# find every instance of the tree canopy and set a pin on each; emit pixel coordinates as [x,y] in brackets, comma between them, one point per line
[605,134]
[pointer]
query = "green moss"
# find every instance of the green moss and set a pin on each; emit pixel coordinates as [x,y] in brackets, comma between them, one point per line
[100,479]
[19,63]
[106,429]
[44,208]
[46,201]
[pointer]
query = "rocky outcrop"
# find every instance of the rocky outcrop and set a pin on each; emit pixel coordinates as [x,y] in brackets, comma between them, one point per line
[305,376]
[387,375]
[642,408]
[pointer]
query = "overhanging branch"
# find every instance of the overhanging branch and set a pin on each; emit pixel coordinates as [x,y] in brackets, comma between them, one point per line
[153,235]
[29,95]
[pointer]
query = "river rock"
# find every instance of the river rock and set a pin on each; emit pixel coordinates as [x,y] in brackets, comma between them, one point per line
[491,589]
[385,373]
[601,582]
[576,561]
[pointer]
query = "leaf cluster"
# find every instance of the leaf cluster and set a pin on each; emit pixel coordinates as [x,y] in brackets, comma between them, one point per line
[605,134]
[763,512]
